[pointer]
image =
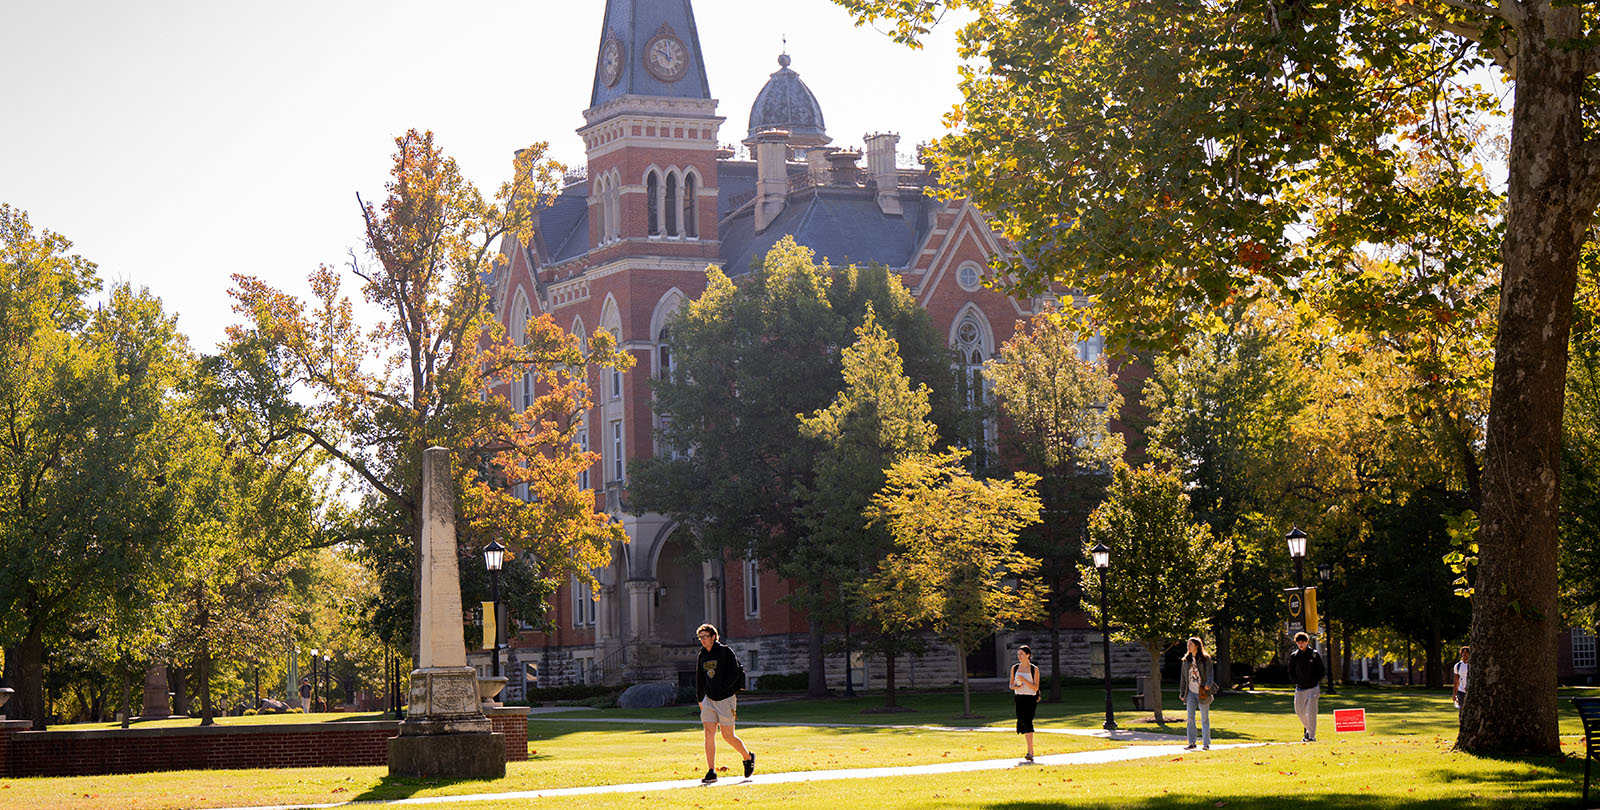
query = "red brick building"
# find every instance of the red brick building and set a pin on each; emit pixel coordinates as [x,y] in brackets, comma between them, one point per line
[628,241]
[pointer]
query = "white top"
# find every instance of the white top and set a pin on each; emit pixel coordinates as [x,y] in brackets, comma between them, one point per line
[1025,681]
[1461,676]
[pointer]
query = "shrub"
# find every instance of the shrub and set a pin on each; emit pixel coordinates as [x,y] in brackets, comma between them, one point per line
[249,712]
[785,682]
[576,691]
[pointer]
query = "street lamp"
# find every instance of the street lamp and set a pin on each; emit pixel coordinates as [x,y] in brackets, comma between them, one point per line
[1297,550]
[313,706]
[327,679]
[1102,563]
[494,556]
[1325,574]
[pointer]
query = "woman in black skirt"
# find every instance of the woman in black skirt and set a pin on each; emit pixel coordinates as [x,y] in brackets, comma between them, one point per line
[1025,686]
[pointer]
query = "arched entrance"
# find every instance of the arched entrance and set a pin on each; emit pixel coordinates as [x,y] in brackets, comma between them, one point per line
[680,598]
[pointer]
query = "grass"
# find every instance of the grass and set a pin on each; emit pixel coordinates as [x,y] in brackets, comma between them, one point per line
[1404,760]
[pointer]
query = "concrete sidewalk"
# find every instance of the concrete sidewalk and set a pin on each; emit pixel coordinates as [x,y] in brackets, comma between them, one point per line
[1079,758]
[1121,735]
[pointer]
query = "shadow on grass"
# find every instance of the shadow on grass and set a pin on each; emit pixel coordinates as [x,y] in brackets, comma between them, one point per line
[390,788]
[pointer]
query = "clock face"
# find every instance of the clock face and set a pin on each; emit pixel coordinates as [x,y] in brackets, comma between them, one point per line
[611,61]
[666,58]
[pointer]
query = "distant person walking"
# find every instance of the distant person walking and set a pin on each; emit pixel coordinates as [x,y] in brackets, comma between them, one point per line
[718,677]
[1305,670]
[305,693]
[1025,686]
[1197,687]
[1458,679]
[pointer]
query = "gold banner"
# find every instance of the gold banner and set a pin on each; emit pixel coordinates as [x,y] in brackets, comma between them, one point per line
[489,634]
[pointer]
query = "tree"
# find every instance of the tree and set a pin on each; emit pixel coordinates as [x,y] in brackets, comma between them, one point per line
[747,358]
[1220,420]
[875,421]
[1166,569]
[956,563]
[1169,158]
[1060,408]
[86,397]
[427,373]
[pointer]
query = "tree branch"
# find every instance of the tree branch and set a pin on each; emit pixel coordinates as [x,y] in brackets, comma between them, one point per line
[361,469]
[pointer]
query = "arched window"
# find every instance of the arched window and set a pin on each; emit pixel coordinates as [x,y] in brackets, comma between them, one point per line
[672,204]
[652,193]
[614,201]
[527,374]
[691,223]
[602,214]
[664,355]
[971,346]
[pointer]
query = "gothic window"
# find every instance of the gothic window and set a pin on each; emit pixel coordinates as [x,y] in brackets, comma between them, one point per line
[652,193]
[691,224]
[583,446]
[663,355]
[601,213]
[616,450]
[971,346]
[672,204]
[614,206]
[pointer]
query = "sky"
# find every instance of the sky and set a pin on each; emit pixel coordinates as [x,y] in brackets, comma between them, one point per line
[177,142]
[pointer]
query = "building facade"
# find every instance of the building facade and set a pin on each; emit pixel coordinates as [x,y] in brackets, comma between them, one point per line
[628,241]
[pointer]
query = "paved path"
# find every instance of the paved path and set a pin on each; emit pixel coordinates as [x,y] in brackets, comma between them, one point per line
[1079,758]
[1120,735]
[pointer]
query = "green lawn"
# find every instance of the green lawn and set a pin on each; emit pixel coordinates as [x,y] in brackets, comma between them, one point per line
[255,720]
[1403,760]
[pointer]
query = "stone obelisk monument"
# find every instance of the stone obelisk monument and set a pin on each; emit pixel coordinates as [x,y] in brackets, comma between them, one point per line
[445,733]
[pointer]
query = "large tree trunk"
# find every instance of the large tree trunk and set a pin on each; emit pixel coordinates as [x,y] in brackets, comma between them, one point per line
[1224,656]
[817,680]
[1435,665]
[30,695]
[127,695]
[178,685]
[1152,693]
[1550,205]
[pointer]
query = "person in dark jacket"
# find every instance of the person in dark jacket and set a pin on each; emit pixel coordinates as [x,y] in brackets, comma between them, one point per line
[1305,670]
[718,677]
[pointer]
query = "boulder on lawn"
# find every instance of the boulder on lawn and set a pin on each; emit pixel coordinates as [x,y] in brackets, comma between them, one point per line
[652,695]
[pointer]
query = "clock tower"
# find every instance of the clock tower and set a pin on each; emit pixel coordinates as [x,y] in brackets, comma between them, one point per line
[651,137]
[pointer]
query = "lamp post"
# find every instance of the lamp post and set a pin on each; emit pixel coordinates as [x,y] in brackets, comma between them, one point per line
[1102,563]
[1325,574]
[1297,550]
[314,656]
[494,556]
[327,679]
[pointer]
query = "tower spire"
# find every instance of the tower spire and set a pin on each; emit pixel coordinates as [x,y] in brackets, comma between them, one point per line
[649,48]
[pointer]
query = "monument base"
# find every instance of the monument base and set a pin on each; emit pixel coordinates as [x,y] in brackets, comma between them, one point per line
[448,756]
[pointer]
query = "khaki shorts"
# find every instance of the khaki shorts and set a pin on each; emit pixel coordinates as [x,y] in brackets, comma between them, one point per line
[723,711]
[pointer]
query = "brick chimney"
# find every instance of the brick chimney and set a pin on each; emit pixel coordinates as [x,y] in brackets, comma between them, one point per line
[772,176]
[880,165]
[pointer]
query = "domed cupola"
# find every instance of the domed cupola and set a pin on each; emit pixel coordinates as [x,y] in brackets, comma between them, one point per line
[786,103]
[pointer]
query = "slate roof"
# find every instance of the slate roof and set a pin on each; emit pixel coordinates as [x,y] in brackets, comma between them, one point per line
[564,225]
[842,224]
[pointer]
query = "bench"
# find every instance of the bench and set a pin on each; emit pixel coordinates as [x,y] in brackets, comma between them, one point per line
[1244,682]
[1589,711]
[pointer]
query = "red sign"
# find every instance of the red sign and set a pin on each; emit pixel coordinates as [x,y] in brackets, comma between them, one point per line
[1350,720]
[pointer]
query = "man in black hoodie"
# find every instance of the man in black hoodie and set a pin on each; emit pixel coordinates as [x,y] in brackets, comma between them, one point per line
[1305,670]
[718,677]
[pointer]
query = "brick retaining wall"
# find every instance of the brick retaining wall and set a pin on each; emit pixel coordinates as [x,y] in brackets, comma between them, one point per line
[299,745]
